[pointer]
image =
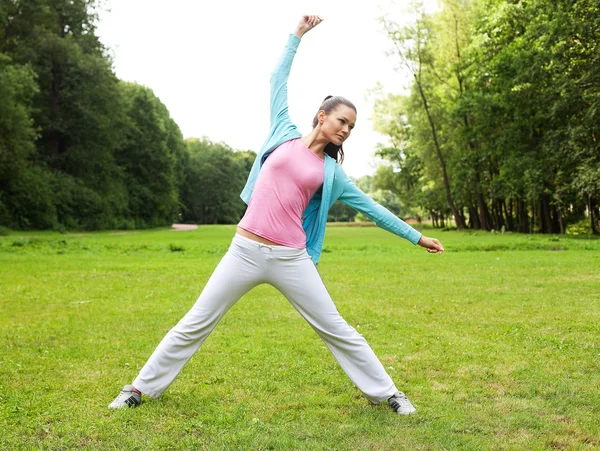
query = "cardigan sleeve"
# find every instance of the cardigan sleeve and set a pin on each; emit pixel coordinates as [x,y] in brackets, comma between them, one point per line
[381,216]
[279,78]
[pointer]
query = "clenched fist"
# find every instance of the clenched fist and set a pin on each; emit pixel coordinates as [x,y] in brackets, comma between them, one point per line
[307,23]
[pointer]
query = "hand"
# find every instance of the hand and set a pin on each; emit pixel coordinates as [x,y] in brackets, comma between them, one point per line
[307,23]
[432,245]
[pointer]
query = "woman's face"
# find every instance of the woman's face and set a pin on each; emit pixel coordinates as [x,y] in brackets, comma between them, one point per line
[338,124]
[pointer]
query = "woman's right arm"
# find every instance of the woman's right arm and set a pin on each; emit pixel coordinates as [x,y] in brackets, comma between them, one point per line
[279,76]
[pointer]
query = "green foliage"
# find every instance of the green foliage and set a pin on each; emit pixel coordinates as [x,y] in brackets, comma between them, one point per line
[214,178]
[30,200]
[81,150]
[148,156]
[340,212]
[17,132]
[514,95]
[68,175]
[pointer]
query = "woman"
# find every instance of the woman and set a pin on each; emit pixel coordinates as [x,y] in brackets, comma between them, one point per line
[293,183]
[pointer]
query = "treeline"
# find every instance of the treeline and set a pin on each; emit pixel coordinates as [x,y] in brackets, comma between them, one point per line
[501,128]
[80,149]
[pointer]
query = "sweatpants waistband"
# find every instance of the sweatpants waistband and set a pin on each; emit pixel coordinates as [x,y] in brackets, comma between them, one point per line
[279,249]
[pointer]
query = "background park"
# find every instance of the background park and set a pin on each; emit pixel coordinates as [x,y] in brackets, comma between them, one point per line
[492,147]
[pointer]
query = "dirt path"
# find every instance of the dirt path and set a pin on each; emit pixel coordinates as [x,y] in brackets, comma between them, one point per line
[183,227]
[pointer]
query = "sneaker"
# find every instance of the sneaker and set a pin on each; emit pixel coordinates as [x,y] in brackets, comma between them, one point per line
[400,404]
[127,398]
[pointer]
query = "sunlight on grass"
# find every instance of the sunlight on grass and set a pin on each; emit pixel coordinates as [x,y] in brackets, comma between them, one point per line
[497,342]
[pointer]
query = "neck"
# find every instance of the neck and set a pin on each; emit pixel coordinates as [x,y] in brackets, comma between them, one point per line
[315,142]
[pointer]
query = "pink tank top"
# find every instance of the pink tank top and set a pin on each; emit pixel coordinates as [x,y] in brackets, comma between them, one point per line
[288,179]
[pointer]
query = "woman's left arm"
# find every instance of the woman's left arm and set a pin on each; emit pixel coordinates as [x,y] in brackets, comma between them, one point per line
[281,72]
[306,24]
[385,219]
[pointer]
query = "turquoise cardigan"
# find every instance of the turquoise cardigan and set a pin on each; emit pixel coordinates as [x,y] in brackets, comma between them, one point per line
[336,184]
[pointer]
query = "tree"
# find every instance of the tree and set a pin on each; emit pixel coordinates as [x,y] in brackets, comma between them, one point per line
[19,186]
[509,96]
[340,212]
[412,45]
[214,179]
[149,158]
[76,108]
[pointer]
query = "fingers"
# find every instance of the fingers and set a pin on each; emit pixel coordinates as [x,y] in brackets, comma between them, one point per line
[434,246]
[313,21]
[437,246]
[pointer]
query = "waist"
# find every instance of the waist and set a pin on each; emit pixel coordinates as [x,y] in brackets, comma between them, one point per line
[279,251]
[254,237]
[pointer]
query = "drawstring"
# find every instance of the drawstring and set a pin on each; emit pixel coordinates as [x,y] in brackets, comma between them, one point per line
[261,245]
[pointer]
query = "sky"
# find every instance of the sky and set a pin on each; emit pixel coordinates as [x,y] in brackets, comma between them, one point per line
[209,62]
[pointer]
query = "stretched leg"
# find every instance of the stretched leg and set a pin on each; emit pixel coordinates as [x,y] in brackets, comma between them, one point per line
[236,274]
[299,281]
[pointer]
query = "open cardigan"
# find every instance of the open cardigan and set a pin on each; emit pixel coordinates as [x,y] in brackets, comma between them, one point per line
[336,184]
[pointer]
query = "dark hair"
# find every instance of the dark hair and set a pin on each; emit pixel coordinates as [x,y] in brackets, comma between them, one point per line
[329,104]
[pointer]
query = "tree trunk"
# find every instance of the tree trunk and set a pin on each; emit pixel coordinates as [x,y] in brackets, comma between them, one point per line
[508,211]
[561,222]
[545,220]
[484,215]
[593,221]
[461,213]
[474,217]
[52,139]
[499,216]
[459,223]
[522,219]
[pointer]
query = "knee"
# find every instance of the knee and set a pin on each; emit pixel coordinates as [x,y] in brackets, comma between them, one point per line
[190,329]
[341,331]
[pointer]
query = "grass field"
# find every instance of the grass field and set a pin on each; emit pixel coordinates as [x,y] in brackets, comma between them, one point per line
[496,342]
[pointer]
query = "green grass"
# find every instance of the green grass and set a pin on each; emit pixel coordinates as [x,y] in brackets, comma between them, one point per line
[497,343]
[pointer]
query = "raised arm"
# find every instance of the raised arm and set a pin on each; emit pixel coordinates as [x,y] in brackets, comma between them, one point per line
[279,76]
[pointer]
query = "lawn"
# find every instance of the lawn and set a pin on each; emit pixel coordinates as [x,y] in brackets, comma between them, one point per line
[496,342]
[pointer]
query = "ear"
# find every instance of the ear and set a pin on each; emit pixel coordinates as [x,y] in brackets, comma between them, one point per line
[321,115]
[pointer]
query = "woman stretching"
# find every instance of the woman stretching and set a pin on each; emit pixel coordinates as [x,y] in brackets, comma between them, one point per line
[292,184]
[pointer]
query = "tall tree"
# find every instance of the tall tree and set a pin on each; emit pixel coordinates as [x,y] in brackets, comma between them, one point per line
[76,106]
[412,45]
[148,156]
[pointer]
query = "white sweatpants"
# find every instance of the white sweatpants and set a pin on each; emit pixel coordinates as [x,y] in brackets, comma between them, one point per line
[247,264]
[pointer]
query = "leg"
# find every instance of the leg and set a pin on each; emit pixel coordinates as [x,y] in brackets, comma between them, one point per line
[235,275]
[299,281]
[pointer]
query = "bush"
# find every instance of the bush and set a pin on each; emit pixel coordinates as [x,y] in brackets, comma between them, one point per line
[581,227]
[31,200]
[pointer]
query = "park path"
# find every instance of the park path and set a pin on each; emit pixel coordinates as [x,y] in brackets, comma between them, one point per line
[183,227]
